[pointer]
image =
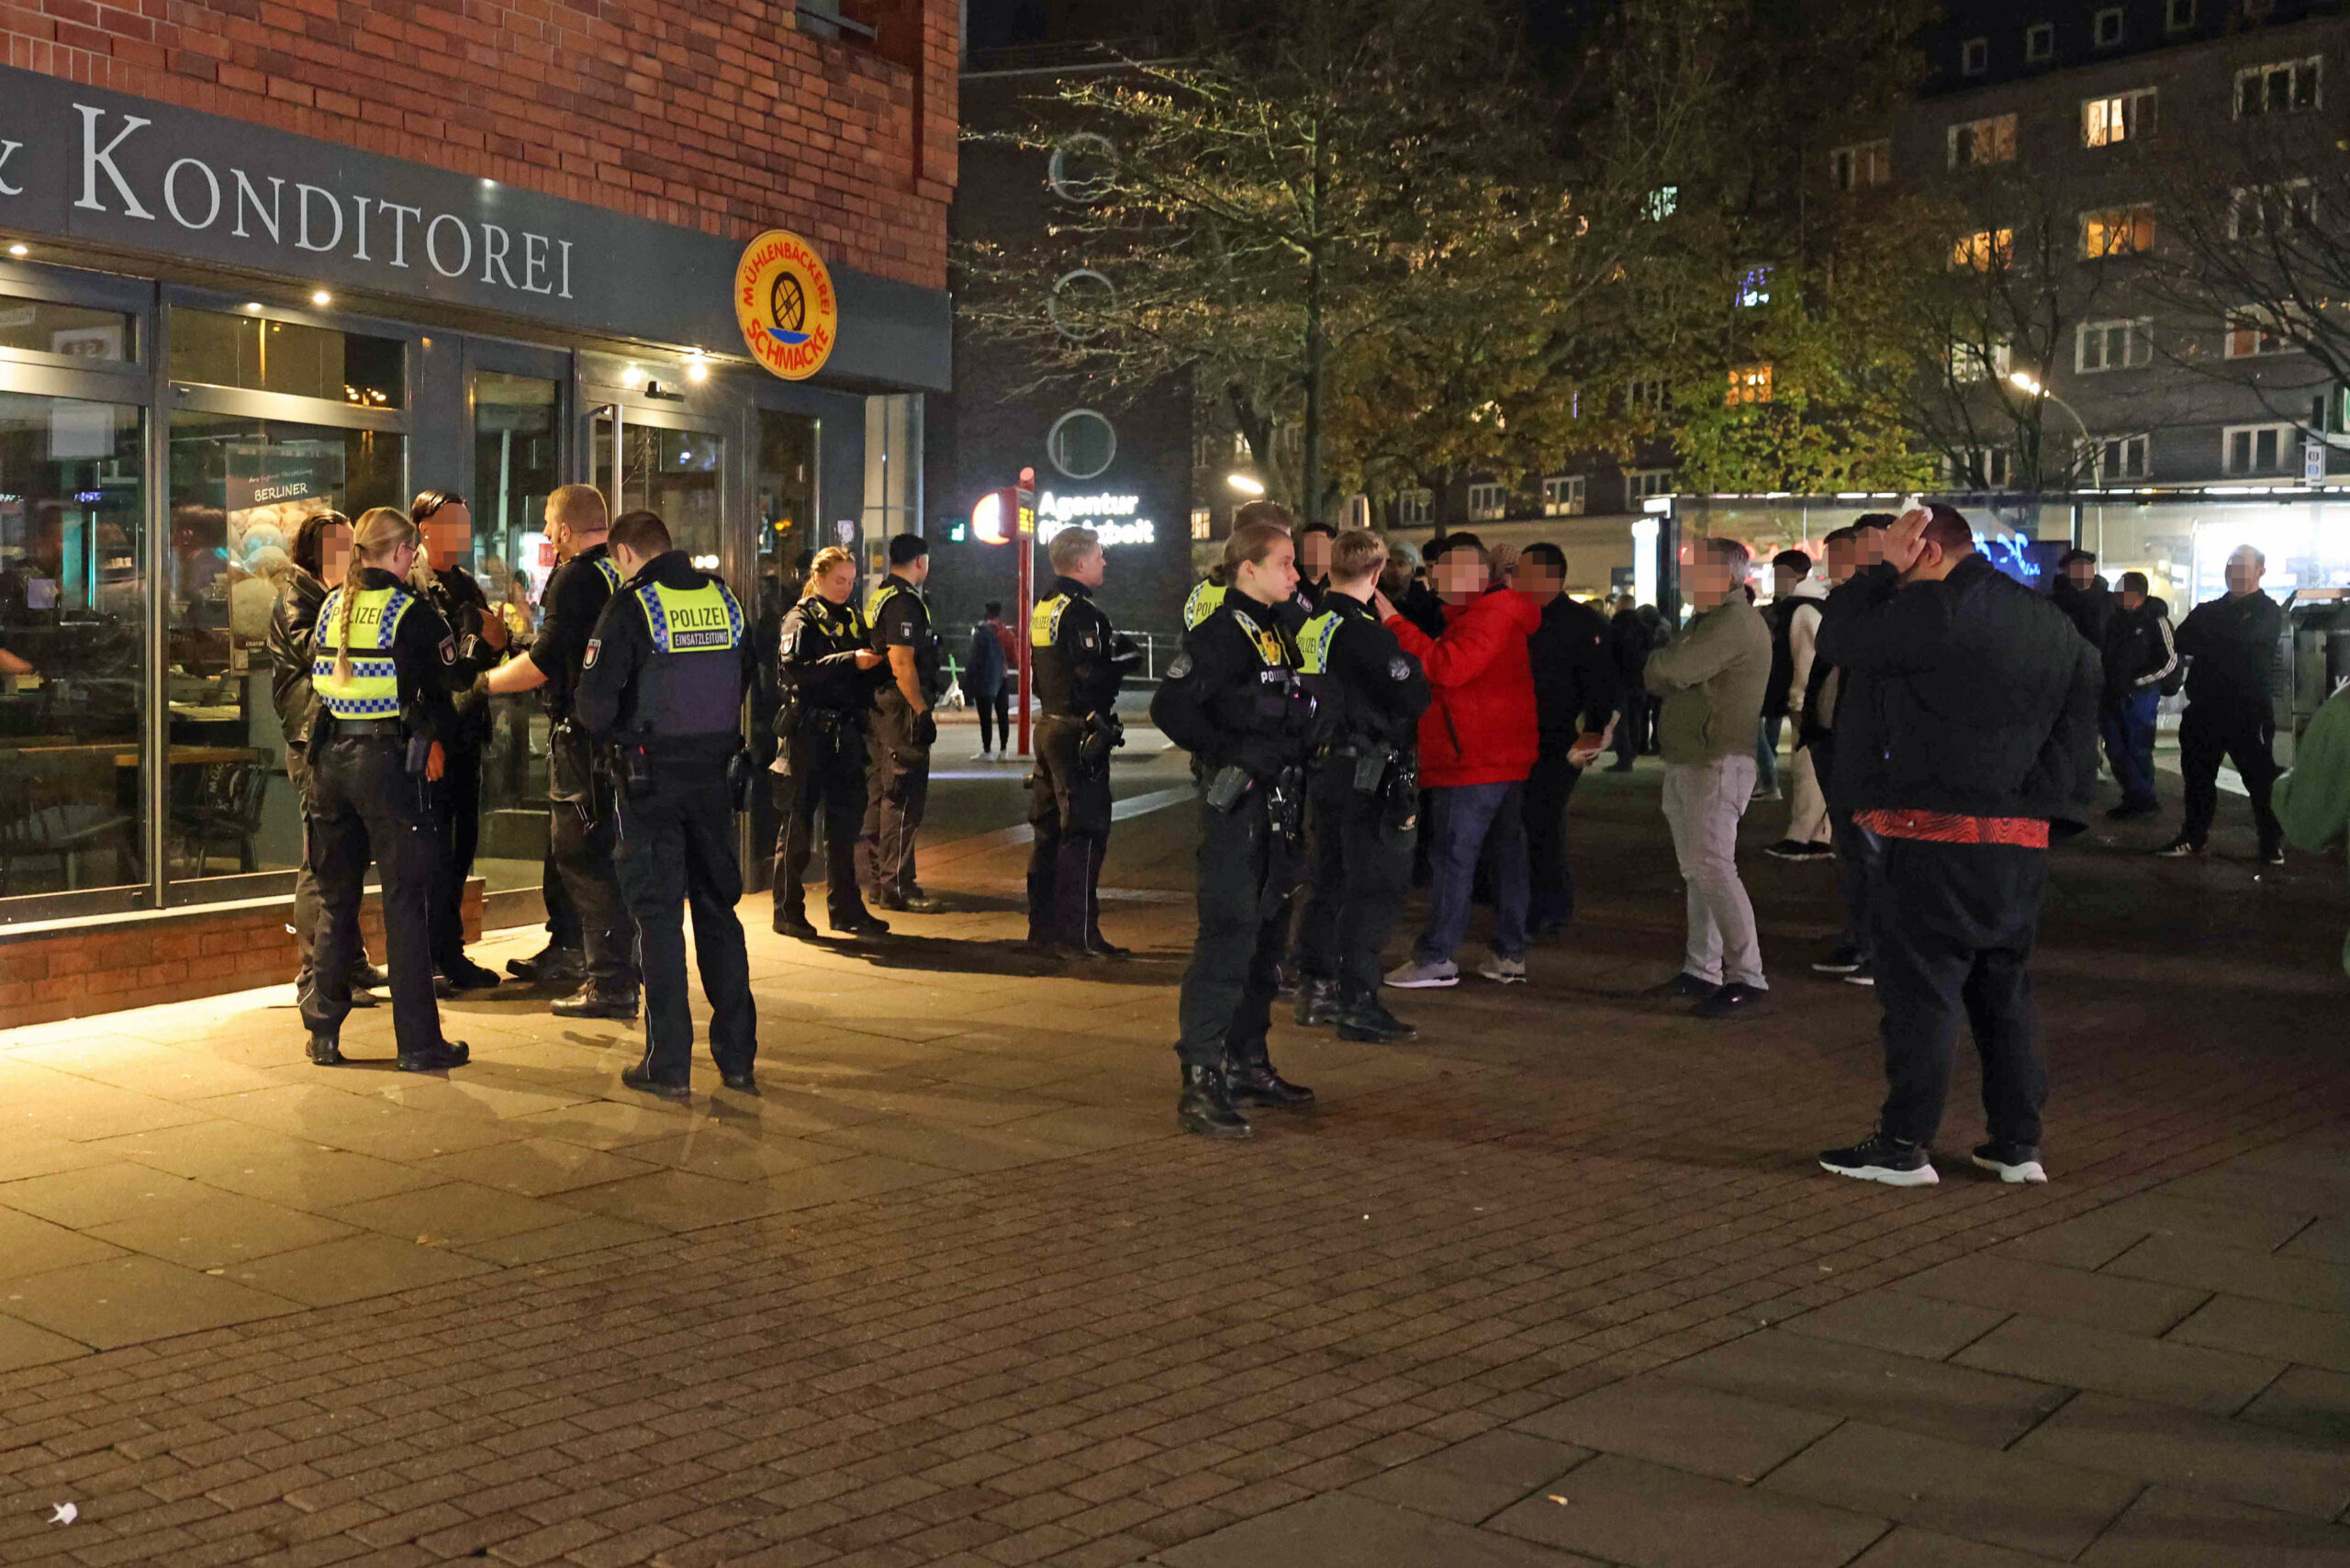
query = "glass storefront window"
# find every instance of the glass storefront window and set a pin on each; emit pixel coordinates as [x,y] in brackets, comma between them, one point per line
[240,488]
[76,331]
[261,355]
[518,460]
[2183,545]
[72,637]
[679,474]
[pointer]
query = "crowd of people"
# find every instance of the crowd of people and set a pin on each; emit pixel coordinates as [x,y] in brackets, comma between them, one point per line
[1354,716]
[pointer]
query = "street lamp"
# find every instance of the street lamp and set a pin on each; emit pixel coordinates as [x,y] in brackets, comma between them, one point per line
[1247,483]
[2032,387]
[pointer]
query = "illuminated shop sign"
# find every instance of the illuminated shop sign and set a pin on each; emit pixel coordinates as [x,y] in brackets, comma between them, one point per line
[1111,517]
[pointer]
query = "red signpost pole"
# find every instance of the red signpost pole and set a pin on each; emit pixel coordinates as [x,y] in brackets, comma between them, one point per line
[1024,535]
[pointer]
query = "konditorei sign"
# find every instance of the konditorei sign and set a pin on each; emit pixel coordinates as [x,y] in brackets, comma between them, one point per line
[106,169]
[785,305]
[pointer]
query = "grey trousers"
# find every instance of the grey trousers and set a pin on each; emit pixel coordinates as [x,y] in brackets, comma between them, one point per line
[1703,803]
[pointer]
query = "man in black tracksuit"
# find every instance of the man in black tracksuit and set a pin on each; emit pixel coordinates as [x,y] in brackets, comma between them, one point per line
[2231,705]
[1576,694]
[1077,662]
[2140,655]
[1362,800]
[1965,742]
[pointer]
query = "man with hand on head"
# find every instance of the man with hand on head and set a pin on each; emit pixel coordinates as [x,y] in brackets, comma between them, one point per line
[1965,740]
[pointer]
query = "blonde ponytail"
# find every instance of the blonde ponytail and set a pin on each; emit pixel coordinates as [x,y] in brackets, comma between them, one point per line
[378,532]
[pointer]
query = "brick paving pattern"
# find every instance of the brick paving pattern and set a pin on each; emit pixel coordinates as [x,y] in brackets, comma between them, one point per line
[1560,1285]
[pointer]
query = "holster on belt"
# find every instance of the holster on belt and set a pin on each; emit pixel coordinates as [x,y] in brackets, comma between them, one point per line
[570,766]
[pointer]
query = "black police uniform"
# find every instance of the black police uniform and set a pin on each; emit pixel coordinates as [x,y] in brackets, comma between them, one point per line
[461,603]
[1233,697]
[580,832]
[369,800]
[820,722]
[293,636]
[897,786]
[661,691]
[1077,662]
[1362,804]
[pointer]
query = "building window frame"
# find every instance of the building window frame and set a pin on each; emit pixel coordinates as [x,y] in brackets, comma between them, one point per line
[1488,500]
[2240,447]
[2113,118]
[2105,30]
[2292,203]
[2095,342]
[1414,508]
[1861,165]
[1978,143]
[1983,249]
[2114,233]
[1563,494]
[1748,383]
[2303,80]
[1646,484]
[2178,16]
[1970,364]
[2108,459]
[2039,43]
[1975,57]
[1202,524]
[2256,332]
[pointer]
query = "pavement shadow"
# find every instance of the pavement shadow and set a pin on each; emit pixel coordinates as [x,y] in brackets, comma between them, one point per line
[945,955]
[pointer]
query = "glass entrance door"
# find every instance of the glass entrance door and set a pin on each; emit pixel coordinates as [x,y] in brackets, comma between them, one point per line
[659,461]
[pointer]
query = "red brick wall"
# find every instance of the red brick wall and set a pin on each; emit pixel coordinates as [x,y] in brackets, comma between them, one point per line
[713,116]
[46,976]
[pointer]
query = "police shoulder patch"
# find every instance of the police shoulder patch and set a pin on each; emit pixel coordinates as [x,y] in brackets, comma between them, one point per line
[1180,668]
[1399,668]
[448,650]
[595,646]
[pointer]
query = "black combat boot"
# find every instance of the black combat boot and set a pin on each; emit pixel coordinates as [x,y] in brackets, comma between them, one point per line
[325,1051]
[640,1077]
[1205,1108]
[1318,1002]
[436,1059]
[1251,1081]
[791,920]
[1363,1016]
[589,1002]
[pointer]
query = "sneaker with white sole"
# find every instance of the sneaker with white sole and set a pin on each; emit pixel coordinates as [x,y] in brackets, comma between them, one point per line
[1417,976]
[1504,971]
[1881,1159]
[2017,1163]
[1864,975]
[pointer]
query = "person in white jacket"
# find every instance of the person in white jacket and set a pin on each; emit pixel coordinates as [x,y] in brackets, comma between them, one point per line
[1796,624]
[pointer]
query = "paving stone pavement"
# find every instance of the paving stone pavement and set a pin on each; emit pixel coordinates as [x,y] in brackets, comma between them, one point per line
[1560,1285]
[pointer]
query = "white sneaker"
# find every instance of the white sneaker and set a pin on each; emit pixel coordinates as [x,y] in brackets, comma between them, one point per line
[1504,971]
[983,757]
[1416,976]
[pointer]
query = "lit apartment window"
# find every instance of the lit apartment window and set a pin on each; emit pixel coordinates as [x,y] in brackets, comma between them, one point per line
[1488,502]
[1563,494]
[2113,345]
[2117,117]
[1980,142]
[2178,16]
[2278,88]
[2257,449]
[2257,330]
[2118,230]
[1754,286]
[2259,212]
[1203,523]
[1984,249]
[2104,28]
[2038,42]
[1862,166]
[1412,507]
[1749,384]
[1643,484]
[2109,460]
[1970,362]
[1975,57]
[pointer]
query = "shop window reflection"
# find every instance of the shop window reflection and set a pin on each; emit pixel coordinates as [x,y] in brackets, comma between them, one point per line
[239,489]
[518,461]
[785,479]
[70,331]
[289,357]
[72,611]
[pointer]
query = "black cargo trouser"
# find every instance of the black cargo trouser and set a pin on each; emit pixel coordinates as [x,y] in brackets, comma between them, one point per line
[1359,870]
[896,787]
[824,765]
[1551,880]
[580,837]
[457,811]
[304,921]
[365,806]
[1069,807]
[1245,879]
[1951,929]
[673,852]
[2244,733]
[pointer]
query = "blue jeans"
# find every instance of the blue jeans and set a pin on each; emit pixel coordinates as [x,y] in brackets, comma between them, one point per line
[1464,816]
[2129,728]
[1767,755]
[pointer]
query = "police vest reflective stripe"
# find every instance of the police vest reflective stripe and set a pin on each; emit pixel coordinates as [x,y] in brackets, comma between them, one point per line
[880,600]
[611,574]
[373,690]
[1045,621]
[691,621]
[1202,603]
[1268,644]
[1313,642]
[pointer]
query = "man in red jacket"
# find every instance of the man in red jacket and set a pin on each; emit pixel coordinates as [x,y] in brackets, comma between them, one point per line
[1478,742]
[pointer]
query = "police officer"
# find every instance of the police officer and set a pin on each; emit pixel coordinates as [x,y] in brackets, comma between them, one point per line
[1205,596]
[902,731]
[582,825]
[1362,800]
[661,691]
[1078,663]
[382,672]
[827,671]
[1231,698]
[447,527]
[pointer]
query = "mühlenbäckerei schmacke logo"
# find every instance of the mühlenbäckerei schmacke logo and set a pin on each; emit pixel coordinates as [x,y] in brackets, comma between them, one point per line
[784,301]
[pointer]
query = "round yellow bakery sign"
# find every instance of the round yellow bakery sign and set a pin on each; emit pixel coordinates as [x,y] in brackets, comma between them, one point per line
[784,300]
